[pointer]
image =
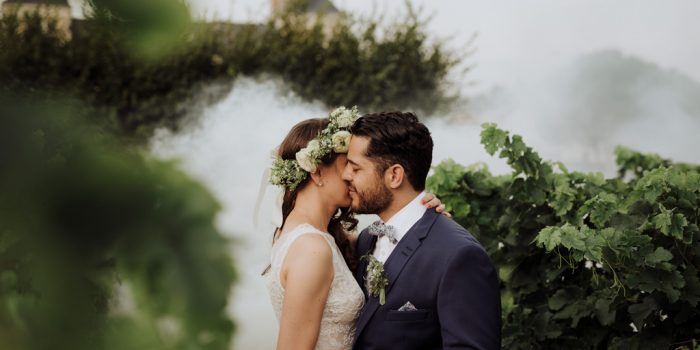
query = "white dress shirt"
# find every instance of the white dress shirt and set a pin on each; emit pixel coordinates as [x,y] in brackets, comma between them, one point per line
[402,221]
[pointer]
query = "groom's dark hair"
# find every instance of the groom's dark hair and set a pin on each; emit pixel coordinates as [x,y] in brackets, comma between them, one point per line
[398,138]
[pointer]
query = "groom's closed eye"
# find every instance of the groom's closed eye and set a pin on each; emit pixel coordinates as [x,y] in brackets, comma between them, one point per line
[353,166]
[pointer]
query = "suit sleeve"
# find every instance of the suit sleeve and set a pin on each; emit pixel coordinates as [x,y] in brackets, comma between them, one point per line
[469,301]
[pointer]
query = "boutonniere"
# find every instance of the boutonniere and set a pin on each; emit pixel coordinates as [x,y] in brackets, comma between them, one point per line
[376,278]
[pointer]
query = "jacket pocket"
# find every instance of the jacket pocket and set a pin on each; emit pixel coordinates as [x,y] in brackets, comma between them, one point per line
[407,316]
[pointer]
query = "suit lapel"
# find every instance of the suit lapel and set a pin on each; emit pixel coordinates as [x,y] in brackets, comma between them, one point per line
[406,247]
[396,262]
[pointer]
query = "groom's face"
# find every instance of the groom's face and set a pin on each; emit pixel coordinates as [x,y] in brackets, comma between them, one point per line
[369,193]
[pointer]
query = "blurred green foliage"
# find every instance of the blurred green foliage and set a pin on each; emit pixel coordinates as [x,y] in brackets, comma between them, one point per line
[101,246]
[146,64]
[585,262]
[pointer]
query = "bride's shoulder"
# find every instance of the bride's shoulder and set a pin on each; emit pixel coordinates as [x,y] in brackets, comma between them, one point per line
[310,242]
[305,236]
[309,250]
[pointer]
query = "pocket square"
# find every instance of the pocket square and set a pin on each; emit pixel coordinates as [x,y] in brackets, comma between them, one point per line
[408,307]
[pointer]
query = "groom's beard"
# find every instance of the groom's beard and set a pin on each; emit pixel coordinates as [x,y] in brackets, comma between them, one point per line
[373,200]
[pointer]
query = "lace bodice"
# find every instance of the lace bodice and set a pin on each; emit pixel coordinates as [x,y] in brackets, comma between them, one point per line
[345,298]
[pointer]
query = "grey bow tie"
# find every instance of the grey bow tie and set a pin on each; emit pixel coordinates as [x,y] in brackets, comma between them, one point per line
[380,229]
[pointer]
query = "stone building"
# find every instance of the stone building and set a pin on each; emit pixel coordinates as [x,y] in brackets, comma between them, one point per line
[49,10]
[313,10]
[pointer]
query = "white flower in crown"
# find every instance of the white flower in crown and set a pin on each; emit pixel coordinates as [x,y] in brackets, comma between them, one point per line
[341,141]
[313,146]
[343,117]
[305,160]
[337,112]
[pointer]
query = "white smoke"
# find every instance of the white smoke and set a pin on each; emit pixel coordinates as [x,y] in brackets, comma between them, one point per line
[229,151]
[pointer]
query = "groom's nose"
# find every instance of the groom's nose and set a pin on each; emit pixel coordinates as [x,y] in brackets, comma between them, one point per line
[347,173]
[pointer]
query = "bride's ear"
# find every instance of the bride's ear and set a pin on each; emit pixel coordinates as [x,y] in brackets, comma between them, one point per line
[316,177]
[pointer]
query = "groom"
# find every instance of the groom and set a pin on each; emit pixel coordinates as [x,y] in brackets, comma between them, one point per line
[442,291]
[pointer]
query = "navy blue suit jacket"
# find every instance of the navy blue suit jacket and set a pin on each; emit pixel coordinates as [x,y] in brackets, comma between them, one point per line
[445,273]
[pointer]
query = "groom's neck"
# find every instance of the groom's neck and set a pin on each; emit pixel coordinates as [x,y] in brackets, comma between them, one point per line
[401,199]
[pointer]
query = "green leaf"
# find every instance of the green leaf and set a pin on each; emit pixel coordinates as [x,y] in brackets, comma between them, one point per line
[558,300]
[584,243]
[653,184]
[605,315]
[639,312]
[572,238]
[493,138]
[669,282]
[549,238]
[678,223]
[692,288]
[600,208]
[658,256]
[663,221]
[670,224]
[575,312]
[563,195]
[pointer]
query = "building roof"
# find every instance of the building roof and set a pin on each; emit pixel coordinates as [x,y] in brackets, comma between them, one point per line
[41,2]
[325,6]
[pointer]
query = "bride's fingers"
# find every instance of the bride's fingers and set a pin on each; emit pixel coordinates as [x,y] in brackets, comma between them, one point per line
[428,198]
[441,209]
[433,203]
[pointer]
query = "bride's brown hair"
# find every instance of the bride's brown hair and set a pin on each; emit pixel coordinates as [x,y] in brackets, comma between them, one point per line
[343,221]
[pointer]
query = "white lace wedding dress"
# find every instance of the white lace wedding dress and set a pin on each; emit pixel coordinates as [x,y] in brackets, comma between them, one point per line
[345,298]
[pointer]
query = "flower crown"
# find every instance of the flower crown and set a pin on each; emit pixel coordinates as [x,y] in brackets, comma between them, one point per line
[335,137]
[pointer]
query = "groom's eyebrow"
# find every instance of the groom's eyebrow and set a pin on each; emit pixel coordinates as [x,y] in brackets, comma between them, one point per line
[353,163]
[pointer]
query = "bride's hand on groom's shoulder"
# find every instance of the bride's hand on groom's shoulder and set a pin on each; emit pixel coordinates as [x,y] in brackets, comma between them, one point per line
[431,201]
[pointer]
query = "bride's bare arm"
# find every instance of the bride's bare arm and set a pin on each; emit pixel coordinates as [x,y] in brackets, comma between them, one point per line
[307,274]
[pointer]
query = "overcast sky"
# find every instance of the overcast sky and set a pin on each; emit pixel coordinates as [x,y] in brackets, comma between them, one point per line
[518,36]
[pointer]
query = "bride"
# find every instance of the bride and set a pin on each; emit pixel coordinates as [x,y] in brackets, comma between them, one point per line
[313,291]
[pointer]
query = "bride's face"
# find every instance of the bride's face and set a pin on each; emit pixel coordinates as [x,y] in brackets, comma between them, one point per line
[334,186]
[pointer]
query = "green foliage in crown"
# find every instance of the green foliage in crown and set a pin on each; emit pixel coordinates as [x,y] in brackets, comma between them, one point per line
[287,173]
[585,262]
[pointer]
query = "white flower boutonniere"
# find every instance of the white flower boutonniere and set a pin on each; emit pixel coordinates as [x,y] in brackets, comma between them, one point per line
[376,278]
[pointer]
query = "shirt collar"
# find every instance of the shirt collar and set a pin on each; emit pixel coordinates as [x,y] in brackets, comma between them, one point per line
[405,218]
